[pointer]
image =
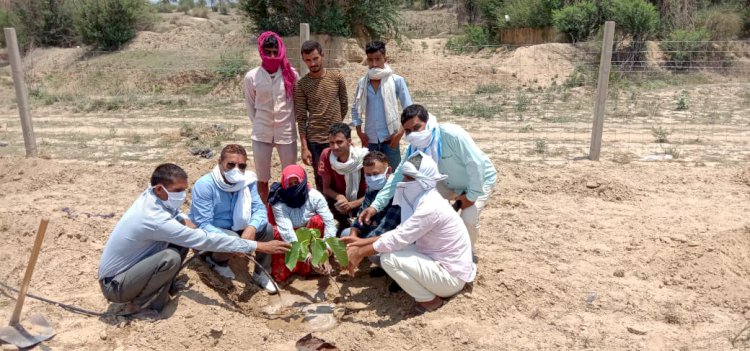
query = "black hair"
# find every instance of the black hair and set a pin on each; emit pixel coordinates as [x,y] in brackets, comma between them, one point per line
[236,149]
[374,156]
[311,45]
[412,111]
[342,128]
[166,173]
[270,42]
[375,46]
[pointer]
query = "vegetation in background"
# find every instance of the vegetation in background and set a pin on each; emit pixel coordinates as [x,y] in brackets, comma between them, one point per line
[43,22]
[579,21]
[361,19]
[526,13]
[475,38]
[110,23]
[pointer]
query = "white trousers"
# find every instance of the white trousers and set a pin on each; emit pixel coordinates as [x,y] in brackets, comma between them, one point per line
[419,275]
[469,215]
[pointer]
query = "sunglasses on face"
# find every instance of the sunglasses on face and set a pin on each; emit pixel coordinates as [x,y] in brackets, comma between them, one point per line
[231,165]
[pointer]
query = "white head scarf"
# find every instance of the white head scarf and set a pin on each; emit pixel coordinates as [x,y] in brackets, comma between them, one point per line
[350,170]
[408,194]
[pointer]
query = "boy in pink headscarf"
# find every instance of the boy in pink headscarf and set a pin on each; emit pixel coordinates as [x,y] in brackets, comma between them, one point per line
[269,97]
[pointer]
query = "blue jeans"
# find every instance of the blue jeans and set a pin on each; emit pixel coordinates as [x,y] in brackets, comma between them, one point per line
[393,155]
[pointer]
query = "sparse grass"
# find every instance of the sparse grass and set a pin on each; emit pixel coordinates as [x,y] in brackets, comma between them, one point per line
[660,134]
[682,101]
[526,129]
[488,89]
[476,109]
[522,102]
[622,158]
[231,65]
[673,150]
[540,146]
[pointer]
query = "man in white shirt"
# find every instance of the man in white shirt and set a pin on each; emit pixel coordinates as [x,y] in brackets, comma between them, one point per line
[269,98]
[429,253]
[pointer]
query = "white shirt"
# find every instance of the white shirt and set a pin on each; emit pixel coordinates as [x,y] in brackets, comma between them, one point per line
[438,232]
[270,112]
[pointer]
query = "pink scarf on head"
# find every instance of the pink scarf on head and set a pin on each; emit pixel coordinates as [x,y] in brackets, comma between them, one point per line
[271,64]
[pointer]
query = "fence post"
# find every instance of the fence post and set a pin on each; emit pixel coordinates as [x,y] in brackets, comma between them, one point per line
[605,63]
[22,96]
[304,35]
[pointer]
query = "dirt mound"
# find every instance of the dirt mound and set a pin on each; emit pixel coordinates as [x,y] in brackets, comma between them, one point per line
[551,62]
[583,186]
[182,32]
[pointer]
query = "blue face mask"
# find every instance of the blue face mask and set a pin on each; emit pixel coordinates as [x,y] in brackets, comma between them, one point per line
[376,182]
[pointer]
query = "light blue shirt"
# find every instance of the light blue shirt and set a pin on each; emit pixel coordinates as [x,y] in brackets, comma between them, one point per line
[212,209]
[148,227]
[468,169]
[376,127]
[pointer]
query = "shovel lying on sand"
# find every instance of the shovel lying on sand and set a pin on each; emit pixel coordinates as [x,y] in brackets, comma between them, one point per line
[35,329]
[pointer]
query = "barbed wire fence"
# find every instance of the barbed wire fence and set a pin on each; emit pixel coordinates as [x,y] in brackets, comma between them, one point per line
[520,103]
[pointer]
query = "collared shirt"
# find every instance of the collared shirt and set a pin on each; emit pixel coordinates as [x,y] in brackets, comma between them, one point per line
[148,227]
[338,181]
[468,169]
[270,112]
[376,127]
[381,222]
[320,102]
[212,209]
[288,218]
[438,232]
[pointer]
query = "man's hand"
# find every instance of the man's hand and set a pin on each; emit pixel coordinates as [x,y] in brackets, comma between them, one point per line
[306,156]
[273,247]
[465,202]
[355,257]
[366,214]
[351,241]
[393,143]
[365,140]
[188,223]
[249,233]
[354,232]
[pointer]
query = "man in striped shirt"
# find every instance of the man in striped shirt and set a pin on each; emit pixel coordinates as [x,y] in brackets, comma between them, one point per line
[320,100]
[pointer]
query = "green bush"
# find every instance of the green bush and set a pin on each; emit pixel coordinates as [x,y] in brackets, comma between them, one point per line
[475,37]
[578,21]
[164,6]
[43,22]
[686,48]
[111,23]
[526,13]
[185,5]
[637,21]
[362,19]
[4,22]
[721,23]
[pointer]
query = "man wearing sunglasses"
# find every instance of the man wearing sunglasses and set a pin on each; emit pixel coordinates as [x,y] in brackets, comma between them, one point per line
[226,201]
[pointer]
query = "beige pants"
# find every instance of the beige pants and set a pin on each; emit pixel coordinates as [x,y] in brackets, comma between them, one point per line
[469,215]
[262,153]
[419,275]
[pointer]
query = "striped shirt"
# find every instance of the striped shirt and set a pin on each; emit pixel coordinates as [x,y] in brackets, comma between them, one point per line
[320,102]
[288,218]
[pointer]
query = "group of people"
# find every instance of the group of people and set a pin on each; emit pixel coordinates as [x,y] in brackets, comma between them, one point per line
[415,215]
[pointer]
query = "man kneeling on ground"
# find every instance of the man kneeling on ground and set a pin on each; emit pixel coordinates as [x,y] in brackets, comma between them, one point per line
[226,201]
[145,250]
[439,263]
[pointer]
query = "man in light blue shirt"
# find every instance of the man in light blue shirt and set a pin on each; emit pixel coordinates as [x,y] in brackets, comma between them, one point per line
[471,174]
[226,202]
[145,250]
[376,100]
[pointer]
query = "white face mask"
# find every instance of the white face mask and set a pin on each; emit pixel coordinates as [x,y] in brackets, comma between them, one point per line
[174,200]
[406,197]
[377,182]
[420,139]
[234,175]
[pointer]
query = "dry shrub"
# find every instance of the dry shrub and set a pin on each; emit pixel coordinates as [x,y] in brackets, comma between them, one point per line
[723,24]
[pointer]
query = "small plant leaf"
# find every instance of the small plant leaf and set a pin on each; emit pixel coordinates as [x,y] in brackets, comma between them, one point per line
[319,252]
[304,250]
[315,233]
[291,258]
[339,250]
[304,235]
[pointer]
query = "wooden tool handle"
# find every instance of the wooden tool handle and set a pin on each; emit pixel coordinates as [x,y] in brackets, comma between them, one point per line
[29,271]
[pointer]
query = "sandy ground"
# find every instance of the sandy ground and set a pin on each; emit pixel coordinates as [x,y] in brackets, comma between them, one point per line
[571,256]
[619,254]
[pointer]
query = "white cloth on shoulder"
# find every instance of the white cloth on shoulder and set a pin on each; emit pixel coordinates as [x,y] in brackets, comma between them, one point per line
[350,170]
[388,91]
[243,206]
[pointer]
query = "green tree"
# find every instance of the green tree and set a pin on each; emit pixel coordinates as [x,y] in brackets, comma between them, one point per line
[110,23]
[43,22]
